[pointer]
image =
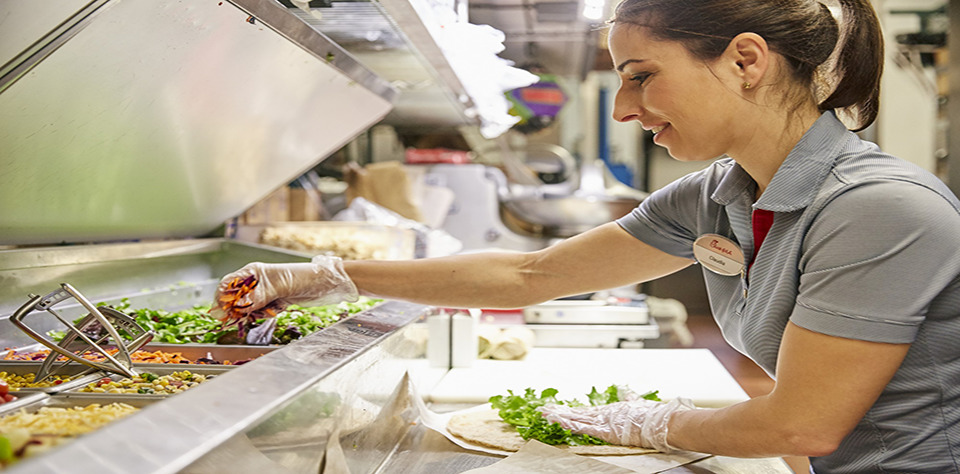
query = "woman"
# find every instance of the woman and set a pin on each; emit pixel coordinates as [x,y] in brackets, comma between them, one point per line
[848,287]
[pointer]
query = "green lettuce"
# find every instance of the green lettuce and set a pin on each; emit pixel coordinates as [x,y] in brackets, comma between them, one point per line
[521,412]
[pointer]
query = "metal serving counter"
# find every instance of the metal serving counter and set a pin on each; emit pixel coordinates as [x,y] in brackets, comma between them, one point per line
[281,406]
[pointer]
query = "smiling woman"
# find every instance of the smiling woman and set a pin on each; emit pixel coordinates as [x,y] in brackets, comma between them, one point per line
[846,277]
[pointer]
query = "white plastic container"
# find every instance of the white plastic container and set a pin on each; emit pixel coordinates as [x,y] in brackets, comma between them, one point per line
[465,344]
[438,341]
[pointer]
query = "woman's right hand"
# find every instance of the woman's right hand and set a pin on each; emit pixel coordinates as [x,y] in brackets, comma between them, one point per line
[321,281]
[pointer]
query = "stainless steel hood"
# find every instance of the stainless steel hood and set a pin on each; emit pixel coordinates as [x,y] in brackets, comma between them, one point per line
[131,119]
[391,39]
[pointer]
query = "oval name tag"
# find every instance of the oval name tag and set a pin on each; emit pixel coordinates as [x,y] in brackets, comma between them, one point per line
[718,254]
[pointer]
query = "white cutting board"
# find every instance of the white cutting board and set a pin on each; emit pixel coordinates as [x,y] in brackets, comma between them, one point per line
[691,373]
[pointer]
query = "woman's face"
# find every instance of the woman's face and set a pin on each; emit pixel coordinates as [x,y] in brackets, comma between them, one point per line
[688,105]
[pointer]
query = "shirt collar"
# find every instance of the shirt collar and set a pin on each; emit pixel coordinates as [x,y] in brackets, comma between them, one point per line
[797,181]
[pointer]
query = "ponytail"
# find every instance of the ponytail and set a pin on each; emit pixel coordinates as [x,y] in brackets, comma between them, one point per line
[859,65]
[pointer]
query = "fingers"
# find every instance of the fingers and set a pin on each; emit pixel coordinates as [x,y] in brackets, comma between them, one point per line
[243,291]
[592,421]
[618,423]
[258,285]
[626,394]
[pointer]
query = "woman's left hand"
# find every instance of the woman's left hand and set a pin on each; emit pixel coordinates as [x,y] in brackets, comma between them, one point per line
[633,423]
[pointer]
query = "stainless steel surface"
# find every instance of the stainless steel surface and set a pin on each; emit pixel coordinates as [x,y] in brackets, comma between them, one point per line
[585,312]
[474,216]
[563,216]
[175,117]
[352,365]
[391,39]
[357,362]
[549,33]
[218,413]
[34,29]
[296,29]
[623,336]
[424,450]
[171,275]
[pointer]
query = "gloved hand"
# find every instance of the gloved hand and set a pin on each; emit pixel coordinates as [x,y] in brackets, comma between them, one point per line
[322,281]
[632,423]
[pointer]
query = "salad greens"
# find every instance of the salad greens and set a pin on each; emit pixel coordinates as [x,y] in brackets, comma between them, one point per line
[521,412]
[196,325]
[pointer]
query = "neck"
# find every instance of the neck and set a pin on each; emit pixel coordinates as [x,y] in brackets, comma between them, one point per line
[768,139]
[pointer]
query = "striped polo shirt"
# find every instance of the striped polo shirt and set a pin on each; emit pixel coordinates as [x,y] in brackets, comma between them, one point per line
[863,246]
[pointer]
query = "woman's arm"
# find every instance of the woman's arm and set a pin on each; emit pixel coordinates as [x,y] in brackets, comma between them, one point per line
[602,258]
[825,385]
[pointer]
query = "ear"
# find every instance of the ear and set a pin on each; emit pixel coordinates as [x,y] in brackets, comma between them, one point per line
[749,58]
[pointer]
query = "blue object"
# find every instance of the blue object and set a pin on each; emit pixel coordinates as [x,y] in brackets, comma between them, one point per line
[620,171]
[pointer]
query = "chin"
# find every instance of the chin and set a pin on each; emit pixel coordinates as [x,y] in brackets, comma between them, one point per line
[687,156]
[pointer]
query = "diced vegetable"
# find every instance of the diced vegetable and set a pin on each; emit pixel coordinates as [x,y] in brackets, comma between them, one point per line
[6,450]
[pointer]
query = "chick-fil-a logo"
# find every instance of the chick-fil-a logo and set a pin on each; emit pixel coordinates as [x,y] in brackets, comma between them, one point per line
[715,244]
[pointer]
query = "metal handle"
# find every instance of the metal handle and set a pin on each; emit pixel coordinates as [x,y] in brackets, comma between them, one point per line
[123,366]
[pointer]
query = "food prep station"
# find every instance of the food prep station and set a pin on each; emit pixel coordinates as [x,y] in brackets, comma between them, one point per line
[347,386]
[174,118]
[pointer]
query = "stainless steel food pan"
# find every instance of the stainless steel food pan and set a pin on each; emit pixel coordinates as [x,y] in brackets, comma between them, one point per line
[72,370]
[158,369]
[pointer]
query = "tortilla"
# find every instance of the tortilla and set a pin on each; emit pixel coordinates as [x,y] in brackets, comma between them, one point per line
[487,429]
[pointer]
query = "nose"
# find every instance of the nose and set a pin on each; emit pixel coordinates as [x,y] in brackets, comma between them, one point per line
[626,106]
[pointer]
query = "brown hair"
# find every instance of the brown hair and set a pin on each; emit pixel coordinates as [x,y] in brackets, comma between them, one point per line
[804,32]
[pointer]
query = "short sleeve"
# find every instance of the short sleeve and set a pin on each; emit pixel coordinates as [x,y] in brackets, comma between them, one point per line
[874,259]
[666,220]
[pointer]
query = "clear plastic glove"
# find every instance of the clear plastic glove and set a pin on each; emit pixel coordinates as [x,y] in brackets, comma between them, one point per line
[322,281]
[632,423]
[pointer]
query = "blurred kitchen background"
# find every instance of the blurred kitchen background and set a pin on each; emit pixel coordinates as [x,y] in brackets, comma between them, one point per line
[385,129]
[566,165]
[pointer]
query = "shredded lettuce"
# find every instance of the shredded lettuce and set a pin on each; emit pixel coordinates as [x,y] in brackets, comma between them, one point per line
[521,412]
[195,325]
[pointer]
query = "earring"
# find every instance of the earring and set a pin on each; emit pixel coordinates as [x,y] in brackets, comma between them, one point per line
[747,85]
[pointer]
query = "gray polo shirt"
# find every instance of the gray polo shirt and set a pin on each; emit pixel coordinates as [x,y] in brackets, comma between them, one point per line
[863,246]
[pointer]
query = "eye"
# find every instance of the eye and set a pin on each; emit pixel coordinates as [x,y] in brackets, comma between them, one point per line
[640,78]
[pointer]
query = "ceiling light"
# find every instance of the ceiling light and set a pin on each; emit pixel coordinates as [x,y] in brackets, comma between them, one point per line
[593,9]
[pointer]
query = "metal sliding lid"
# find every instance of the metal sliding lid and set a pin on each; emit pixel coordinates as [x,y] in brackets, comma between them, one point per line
[133,120]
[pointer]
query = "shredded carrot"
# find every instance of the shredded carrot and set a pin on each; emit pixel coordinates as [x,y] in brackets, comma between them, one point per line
[229,298]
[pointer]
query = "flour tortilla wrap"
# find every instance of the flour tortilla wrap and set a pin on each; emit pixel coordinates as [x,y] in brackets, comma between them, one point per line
[487,429]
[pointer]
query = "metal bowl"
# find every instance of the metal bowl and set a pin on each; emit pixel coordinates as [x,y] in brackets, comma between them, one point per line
[562,216]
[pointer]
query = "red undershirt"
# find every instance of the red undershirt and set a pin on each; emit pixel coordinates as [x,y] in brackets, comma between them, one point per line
[762,220]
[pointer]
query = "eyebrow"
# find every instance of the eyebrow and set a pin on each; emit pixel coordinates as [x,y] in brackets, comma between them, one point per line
[625,63]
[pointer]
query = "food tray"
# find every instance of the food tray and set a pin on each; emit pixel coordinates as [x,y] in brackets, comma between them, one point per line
[69,400]
[348,240]
[158,369]
[27,367]
[219,352]
[40,441]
